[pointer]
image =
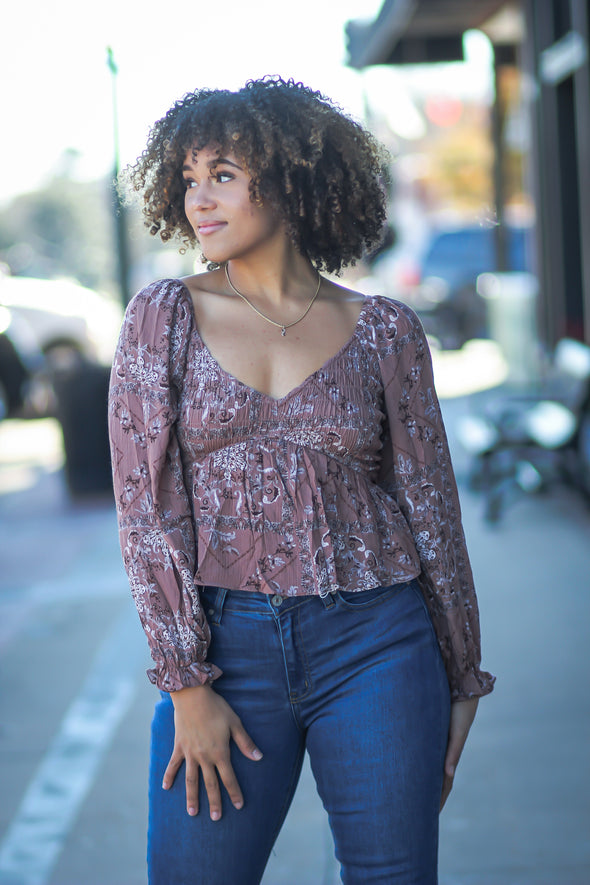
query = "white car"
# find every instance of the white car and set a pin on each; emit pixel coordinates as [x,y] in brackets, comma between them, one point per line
[71,323]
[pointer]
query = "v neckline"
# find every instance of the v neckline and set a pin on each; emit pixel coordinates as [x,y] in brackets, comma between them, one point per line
[253,390]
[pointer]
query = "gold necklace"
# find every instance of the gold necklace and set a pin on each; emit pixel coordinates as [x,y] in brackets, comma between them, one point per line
[282,326]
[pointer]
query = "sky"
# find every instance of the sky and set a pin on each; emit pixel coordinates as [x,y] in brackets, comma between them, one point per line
[56,92]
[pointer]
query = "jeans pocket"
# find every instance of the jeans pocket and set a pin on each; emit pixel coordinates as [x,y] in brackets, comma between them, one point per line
[367,598]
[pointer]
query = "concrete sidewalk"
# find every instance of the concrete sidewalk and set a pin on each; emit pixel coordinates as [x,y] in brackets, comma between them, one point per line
[520,811]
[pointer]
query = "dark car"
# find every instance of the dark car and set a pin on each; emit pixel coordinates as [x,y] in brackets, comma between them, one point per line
[446,298]
[24,385]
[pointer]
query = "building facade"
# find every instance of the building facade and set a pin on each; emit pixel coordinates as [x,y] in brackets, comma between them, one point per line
[548,41]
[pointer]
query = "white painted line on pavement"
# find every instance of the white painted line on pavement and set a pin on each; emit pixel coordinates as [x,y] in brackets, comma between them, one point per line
[36,836]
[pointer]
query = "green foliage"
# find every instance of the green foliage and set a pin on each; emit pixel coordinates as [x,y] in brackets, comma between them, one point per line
[63,230]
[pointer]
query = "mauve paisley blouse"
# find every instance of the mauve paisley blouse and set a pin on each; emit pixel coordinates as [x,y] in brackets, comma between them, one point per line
[345,483]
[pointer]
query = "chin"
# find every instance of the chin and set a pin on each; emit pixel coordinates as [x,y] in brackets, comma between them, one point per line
[216,257]
[206,257]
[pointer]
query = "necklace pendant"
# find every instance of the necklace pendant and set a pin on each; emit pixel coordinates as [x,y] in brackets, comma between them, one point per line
[283,331]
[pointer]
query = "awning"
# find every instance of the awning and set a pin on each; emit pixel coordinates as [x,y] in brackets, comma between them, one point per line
[416,31]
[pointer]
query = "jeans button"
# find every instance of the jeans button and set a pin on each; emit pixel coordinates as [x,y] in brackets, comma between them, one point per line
[277,600]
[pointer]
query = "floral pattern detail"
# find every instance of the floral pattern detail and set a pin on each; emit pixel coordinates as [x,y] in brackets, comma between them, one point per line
[343,484]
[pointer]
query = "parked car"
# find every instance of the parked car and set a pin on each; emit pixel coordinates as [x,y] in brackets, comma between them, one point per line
[24,382]
[72,324]
[446,297]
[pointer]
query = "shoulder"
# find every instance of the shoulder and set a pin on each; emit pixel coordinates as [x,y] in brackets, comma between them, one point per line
[160,296]
[391,325]
[160,309]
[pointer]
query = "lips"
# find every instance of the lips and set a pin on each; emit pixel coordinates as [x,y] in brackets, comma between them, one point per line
[209,227]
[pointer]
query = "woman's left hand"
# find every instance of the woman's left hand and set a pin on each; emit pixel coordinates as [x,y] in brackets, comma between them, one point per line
[462,716]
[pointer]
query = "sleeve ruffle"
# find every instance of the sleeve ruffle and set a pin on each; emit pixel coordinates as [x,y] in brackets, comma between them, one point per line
[173,677]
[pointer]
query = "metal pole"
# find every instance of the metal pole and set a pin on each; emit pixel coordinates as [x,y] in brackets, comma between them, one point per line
[580,15]
[119,210]
[500,239]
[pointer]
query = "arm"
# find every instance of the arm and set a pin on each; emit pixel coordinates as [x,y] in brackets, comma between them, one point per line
[462,716]
[153,510]
[417,471]
[158,543]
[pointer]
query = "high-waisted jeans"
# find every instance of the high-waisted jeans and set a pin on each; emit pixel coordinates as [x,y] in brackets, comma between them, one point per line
[357,679]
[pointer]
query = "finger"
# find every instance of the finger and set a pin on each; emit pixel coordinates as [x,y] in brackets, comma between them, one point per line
[245,743]
[174,764]
[230,782]
[453,754]
[446,789]
[192,788]
[462,716]
[213,792]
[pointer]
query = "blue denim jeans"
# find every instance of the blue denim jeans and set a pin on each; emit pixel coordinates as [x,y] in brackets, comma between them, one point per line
[356,679]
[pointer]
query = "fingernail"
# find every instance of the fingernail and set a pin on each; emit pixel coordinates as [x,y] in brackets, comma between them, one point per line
[165,785]
[238,805]
[256,754]
[215,815]
[192,810]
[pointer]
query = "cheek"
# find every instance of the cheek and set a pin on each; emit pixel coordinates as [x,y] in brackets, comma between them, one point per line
[263,218]
[188,208]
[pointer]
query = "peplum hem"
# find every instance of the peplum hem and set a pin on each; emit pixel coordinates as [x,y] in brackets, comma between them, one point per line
[317,527]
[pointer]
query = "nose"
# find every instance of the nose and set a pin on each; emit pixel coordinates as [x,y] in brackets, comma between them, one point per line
[200,196]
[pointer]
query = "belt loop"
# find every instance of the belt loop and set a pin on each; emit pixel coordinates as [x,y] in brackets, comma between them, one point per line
[329,600]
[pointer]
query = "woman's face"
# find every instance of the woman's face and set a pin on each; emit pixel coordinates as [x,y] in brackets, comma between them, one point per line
[217,203]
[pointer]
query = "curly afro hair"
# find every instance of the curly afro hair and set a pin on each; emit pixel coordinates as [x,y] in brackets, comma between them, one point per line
[317,168]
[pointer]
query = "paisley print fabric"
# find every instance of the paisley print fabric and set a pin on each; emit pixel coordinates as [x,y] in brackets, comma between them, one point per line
[345,483]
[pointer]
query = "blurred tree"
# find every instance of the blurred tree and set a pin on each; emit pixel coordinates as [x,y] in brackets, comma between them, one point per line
[460,156]
[66,230]
[62,230]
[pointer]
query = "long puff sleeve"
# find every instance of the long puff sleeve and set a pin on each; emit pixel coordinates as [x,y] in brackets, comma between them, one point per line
[153,507]
[417,471]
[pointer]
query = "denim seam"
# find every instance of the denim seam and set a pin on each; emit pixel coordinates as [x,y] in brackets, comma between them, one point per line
[286,670]
[306,670]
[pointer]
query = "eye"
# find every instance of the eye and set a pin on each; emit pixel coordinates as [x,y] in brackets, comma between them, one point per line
[222,177]
[188,183]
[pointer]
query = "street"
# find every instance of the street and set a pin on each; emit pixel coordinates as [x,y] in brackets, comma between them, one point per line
[76,704]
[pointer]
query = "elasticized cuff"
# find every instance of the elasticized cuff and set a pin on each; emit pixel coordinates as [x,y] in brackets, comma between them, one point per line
[474,684]
[184,677]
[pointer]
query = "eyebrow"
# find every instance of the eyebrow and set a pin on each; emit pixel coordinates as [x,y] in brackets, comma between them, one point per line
[219,161]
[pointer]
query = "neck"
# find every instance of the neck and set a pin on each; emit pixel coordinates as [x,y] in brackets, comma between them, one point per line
[274,279]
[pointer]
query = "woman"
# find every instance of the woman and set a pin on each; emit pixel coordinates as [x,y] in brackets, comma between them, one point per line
[288,514]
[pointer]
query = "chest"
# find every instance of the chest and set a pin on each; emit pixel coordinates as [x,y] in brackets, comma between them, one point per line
[255,351]
[337,409]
